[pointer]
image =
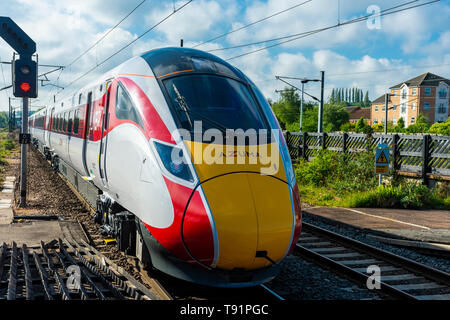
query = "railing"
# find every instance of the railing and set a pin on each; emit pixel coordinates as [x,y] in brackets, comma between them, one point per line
[425,156]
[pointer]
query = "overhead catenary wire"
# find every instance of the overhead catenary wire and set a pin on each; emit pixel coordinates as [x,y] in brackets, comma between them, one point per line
[308,33]
[97,42]
[359,19]
[106,34]
[129,44]
[252,23]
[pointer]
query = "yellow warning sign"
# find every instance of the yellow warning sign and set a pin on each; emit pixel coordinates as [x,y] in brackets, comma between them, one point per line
[382,158]
[381,169]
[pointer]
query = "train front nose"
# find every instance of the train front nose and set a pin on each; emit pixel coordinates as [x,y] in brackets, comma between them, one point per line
[253,218]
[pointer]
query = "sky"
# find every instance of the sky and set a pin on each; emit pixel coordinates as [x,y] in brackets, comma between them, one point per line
[371,55]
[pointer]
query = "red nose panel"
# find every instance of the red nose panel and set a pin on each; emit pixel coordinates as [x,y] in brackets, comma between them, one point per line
[197,231]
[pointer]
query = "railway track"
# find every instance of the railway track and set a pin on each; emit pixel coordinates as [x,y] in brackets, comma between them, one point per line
[399,277]
[46,272]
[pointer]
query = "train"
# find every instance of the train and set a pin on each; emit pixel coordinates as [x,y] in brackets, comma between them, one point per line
[191,170]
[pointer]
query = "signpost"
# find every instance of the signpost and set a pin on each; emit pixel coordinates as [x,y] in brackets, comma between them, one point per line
[24,82]
[382,160]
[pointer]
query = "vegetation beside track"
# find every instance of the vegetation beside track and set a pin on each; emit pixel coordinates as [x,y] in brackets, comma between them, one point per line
[333,179]
[7,146]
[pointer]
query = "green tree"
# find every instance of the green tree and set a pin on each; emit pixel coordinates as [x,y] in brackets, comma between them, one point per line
[332,97]
[362,127]
[421,126]
[366,99]
[348,127]
[441,128]
[400,127]
[287,108]
[334,116]
[378,127]
[3,119]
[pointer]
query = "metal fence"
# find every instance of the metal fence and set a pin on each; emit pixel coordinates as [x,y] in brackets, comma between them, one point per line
[425,156]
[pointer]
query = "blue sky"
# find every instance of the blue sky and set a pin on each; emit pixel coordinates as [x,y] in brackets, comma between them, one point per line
[405,45]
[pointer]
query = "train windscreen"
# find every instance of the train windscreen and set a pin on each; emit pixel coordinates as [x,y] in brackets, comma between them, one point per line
[218,102]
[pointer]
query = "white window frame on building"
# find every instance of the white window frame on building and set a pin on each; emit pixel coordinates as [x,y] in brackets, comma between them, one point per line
[403,106]
[414,91]
[376,108]
[404,94]
[413,106]
[442,93]
[413,120]
[442,108]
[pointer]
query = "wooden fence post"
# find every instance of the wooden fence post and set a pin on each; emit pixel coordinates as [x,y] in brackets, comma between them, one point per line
[344,142]
[425,158]
[288,144]
[395,153]
[324,141]
[305,146]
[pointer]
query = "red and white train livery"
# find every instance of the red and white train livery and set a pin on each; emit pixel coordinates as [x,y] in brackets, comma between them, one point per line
[219,223]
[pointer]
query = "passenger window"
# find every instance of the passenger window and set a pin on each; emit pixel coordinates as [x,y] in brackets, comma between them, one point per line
[76,121]
[125,108]
[65,121]
[79,98]
[69,128]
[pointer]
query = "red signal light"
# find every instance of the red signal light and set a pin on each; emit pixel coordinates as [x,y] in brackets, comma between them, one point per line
[25,86]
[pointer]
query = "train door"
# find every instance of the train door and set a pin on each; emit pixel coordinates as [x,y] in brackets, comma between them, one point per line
[50,127]
[104,137]
[87,121]
[69,116]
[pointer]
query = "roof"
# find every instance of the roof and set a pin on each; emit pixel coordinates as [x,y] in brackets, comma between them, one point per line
[356,112]
[426,79]
[379,100]
[351,109]
[176,60]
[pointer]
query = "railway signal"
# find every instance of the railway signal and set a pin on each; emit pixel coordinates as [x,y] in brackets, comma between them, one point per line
[25,78]
[24,73]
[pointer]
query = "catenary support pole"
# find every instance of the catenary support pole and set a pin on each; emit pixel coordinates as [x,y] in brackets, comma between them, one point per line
[320,122]
[301,108]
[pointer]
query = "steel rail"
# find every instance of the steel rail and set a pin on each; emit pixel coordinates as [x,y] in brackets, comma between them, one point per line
[12,281]
[44,277]
[59,282]
[406,264]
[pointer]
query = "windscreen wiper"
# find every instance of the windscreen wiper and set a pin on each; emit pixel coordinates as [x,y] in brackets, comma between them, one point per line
[185,108]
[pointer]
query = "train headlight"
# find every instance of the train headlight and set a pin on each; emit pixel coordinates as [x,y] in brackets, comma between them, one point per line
[174,161]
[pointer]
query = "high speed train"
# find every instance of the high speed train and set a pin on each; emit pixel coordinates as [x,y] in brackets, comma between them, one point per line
[139,135]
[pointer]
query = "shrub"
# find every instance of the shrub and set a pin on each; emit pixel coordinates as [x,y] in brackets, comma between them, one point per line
[8,144]
[319,171]
[441,128]
[409,196]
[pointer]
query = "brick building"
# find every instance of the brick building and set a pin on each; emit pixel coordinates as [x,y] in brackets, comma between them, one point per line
[427,94]
[356,112]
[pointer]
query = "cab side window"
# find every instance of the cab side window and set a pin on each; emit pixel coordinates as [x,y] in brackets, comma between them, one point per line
[125,108]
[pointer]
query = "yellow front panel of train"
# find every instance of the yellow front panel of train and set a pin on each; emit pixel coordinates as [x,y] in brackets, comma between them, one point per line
[252,211]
